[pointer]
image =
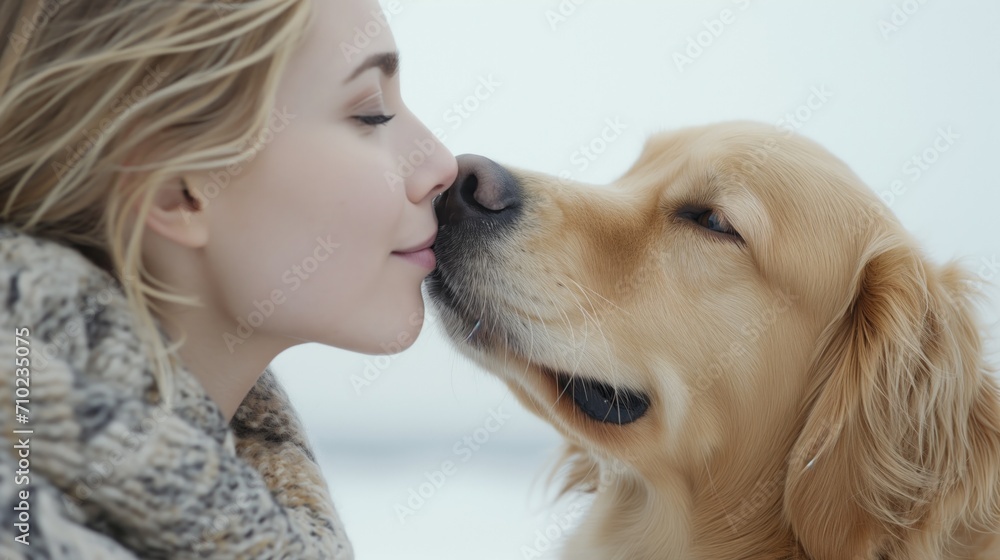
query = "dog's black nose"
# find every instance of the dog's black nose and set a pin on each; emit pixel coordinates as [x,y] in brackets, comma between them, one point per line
[483,191]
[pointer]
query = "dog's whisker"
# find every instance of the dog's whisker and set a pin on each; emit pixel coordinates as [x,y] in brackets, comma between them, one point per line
[586,323]
[569,324]
[506,347]
[475,328]
[568,321]
[596,293]
[600,328]
[531,341]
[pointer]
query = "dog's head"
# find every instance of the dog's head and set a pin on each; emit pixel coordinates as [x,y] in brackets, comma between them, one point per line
[737,310]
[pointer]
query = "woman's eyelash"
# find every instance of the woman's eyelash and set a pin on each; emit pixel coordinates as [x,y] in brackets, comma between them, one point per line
[374,120]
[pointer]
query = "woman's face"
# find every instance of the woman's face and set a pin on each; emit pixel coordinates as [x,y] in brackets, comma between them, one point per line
[303,239]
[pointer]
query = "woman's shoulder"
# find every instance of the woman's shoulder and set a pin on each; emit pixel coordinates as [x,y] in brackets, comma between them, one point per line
[47,263]
[46,283]
[65,310]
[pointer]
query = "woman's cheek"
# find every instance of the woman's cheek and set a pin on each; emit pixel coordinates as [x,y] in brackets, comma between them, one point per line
[375,202]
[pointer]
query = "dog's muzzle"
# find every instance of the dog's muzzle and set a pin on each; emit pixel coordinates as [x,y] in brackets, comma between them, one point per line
[483,203]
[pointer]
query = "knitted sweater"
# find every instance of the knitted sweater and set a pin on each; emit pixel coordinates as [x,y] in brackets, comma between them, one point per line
[101,470]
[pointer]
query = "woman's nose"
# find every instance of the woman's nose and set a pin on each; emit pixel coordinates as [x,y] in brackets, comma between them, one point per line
[483,191]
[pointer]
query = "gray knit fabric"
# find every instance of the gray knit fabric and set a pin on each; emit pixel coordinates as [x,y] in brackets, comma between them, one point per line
[113,476]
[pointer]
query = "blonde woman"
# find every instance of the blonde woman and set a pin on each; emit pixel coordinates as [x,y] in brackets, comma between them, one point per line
[187,189]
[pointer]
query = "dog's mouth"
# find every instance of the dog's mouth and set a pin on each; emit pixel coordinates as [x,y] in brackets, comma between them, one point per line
[601,401]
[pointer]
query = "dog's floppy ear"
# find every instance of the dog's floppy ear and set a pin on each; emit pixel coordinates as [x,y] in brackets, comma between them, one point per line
[900,439]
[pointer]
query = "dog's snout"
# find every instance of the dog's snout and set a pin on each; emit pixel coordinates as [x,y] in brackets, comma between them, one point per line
[483,190]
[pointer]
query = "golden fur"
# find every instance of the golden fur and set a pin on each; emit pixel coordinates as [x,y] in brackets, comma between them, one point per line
[818,387]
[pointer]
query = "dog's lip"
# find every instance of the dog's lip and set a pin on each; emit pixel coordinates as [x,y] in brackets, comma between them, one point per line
[600,401]
[597,399]
[475,330]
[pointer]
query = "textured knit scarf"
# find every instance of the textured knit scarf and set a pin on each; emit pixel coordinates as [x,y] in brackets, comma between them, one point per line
[92,466]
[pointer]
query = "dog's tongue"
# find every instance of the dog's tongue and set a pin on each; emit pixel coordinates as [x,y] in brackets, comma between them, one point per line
[601,401]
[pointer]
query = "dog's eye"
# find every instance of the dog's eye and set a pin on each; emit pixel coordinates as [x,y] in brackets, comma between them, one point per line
[710,219]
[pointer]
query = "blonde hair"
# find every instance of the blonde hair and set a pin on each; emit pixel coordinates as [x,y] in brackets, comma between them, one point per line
[87,87]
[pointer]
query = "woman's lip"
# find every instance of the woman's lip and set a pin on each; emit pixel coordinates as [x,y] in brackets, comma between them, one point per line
[424,245]
[423,257]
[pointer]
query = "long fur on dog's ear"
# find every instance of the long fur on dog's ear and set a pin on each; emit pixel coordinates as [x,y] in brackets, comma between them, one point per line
[901,440]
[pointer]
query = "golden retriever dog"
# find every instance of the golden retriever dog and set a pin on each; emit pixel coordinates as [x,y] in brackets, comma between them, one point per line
[748,355]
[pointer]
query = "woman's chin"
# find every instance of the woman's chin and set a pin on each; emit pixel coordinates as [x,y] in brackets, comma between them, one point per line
[393,336]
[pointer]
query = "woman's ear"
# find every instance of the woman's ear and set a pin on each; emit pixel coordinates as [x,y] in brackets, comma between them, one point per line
[179,213]
[901,441]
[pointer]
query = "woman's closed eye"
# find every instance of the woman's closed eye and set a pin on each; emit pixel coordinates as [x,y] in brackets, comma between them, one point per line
[373,120]
[370,111]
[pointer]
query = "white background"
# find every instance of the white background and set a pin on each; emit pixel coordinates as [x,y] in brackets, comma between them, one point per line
[558,81]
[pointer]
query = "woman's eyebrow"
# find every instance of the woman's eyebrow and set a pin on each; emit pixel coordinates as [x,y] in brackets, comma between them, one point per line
[388,62]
